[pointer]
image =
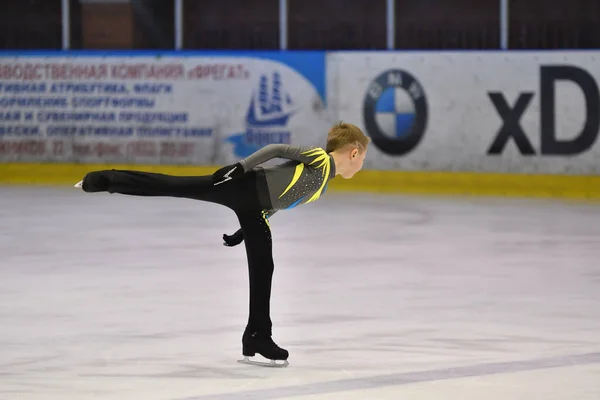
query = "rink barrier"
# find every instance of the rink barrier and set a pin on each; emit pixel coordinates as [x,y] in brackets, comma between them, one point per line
[370,181]
[474,183]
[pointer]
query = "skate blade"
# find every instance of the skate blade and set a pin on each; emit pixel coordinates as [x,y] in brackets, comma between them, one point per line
[270,364]
[78,184]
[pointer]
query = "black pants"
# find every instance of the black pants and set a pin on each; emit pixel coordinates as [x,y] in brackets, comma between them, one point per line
[245,196]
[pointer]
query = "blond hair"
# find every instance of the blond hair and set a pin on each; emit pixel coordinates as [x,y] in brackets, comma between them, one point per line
[343,134]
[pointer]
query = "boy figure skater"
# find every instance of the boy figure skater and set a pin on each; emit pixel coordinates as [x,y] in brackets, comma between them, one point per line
[254,193]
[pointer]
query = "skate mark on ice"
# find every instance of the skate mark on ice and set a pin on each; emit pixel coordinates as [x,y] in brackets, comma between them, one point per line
[181,372]
[26,363]
[407,378]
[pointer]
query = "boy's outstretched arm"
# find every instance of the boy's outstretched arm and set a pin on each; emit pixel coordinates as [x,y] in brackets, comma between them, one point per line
[302,154]
[306,155]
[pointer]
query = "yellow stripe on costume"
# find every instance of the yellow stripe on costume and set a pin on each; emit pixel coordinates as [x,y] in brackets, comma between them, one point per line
[325,165]
[297,174]
[264,215]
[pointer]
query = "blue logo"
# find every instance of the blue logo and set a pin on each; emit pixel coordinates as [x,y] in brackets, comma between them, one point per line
[267,118]
[395,112]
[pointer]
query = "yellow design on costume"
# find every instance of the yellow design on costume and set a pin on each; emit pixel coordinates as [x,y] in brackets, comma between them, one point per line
[322,158]
[264,215]
[297,174]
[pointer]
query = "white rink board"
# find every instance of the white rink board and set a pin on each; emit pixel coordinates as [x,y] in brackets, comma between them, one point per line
[462,121]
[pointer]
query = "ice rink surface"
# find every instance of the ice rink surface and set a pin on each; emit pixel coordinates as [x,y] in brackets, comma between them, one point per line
[376,297]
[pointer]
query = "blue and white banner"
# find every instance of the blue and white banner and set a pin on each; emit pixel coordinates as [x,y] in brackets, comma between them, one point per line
[209,108]
[521,111]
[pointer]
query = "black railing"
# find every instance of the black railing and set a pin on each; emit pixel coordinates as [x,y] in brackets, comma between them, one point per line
[317,24]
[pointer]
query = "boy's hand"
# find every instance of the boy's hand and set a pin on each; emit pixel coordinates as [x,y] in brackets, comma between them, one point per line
[228,173]
[234,239]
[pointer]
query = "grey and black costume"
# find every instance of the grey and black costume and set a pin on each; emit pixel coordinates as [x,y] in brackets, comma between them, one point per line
[254,193]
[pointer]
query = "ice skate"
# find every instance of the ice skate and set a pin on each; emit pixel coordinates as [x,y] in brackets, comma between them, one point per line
[254,343]
[96,181]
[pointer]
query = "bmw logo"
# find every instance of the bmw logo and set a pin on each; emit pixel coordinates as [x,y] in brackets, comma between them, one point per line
[395,112]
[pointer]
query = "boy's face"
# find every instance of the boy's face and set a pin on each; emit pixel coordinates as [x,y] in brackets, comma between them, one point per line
[357,158]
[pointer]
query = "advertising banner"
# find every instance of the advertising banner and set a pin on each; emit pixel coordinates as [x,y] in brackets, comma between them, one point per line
[525,112]
[173,109]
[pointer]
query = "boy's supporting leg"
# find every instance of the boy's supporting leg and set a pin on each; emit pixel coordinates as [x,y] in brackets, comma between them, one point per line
[259,250]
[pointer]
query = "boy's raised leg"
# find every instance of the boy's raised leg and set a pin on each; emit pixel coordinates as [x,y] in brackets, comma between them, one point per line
[138,183]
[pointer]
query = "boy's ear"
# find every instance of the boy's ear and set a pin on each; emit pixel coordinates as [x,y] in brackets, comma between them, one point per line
[354,153]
